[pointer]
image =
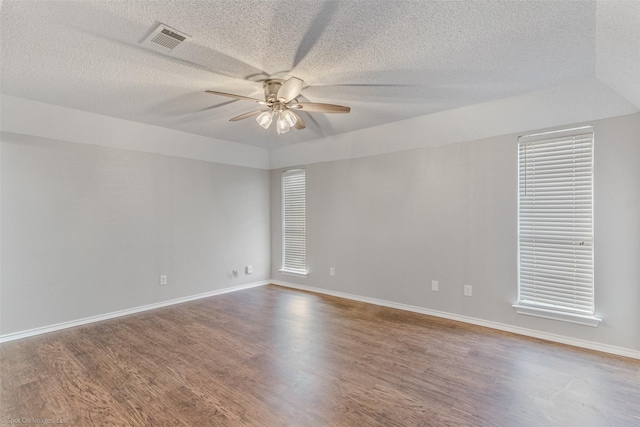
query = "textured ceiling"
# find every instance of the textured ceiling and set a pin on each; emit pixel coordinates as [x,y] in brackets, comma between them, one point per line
[387,60]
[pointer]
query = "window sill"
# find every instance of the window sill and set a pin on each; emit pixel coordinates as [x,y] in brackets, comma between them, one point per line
[293,273]
[558,315]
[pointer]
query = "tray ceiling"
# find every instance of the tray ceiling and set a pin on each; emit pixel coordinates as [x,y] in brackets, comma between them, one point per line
[388,61]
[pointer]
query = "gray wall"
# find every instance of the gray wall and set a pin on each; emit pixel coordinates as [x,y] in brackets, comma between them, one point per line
[88,230]
[389,224]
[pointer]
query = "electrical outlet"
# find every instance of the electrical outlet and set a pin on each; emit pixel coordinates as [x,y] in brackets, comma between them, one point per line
[332,271]
[467,290]
[248,269]
[434,285]
[163,280]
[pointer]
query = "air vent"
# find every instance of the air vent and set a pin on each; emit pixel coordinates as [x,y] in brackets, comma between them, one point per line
[164,39]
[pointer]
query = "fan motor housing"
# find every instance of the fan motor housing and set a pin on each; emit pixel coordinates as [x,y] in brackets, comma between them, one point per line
[271,88]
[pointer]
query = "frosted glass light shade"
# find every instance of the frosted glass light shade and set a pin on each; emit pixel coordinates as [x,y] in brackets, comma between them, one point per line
[264,119]
[281,125]
[289,118]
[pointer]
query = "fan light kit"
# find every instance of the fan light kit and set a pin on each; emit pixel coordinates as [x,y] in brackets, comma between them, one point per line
[280,102]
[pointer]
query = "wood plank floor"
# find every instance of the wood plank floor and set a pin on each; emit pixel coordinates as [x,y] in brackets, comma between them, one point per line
[272,356]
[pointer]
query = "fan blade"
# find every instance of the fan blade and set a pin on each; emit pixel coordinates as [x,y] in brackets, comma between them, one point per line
[299,122]
[216,106]
[313,107]
[246,115]
[290,89]
[318,26]
[230,95]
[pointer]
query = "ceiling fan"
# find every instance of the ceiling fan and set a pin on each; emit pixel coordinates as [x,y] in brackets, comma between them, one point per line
[280,101]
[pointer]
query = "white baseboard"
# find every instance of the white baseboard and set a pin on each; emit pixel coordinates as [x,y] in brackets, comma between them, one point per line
[119,313]
[620,351]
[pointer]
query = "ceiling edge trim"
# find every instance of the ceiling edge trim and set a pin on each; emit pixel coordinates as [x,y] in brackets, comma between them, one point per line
[24,116]
[574,102]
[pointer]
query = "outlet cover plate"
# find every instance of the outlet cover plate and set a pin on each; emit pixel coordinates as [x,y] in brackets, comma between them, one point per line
[468,290]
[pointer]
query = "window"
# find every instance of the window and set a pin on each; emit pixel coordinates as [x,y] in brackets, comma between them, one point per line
[555,226]
[294,227]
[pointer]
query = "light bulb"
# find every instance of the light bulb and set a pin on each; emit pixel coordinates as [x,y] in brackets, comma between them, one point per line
[264,119]
[289,117]
[281,125]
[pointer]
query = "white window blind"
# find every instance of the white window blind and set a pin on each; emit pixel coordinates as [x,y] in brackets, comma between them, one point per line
[294,242]
[555,222]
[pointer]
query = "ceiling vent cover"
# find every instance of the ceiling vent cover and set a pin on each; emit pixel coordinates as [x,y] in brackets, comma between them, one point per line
[164,39]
